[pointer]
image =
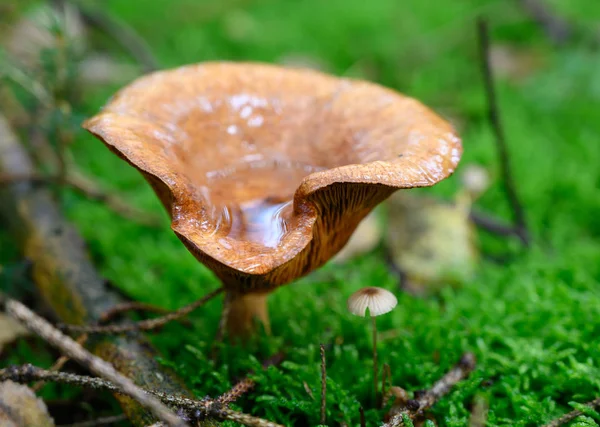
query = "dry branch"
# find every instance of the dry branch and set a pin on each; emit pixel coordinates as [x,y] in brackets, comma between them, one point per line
[496,122]
[323,385]
[76,352]
[143,325]
[427,399]
[67,281]
[196,408]
[594,404]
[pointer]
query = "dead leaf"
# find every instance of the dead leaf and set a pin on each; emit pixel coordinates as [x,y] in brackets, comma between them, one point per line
[19,406]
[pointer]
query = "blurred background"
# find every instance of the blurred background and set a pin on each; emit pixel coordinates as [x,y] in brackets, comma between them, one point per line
[529,312]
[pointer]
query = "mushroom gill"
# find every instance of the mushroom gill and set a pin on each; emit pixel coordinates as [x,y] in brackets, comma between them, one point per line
[266,171]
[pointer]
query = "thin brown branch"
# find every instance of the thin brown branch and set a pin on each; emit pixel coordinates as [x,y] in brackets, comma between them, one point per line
[60,363]
[205,407]
[495,121]
[363,421]
[239,389]
[108,315]
[594,404]
[143,325]
[246,384]
[323,385]
[90,191]
[427,399]
[76,352]
[308,390]
[493,225]
[125,307]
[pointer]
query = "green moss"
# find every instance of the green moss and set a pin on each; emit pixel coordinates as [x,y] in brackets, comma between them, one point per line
[532,320]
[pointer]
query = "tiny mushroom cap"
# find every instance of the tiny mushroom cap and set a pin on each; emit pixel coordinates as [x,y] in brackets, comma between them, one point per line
[378,300]
[475,179]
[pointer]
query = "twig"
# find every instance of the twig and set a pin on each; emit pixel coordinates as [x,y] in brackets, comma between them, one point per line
[246,384]
[387,375]
[76,352]
[363,421]
[323,385]
[594,404]
[90,191]
[135,306]
[375,367]
[494,118]
[425,401]
[308,390]
[479,411]
[98,421]
[492,224]
[205,407]
[121,33]
[144,325]
[240,388]
[108,315]
[557,29]
[60,362]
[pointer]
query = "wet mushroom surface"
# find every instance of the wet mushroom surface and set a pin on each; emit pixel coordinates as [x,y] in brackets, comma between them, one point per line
[267,171]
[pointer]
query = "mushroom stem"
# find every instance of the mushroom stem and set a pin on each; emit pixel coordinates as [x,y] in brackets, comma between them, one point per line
[374,323]
[244,310]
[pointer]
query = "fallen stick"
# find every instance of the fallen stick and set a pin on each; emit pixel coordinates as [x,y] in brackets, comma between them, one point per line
[197,408]
[495,121]
[65,279]
[247,383]
[76,352]
[594,404]
[143,325]
[323,385]
[426,400]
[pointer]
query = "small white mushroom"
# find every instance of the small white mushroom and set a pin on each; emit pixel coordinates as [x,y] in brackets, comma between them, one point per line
[377,300]
[475,179]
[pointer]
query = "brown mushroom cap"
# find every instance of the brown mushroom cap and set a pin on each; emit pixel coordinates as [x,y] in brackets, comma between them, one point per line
[267,171]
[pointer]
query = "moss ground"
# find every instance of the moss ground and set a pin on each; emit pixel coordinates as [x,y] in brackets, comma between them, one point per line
[533,320]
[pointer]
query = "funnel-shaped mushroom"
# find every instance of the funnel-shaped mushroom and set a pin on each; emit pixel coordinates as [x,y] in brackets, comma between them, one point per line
[267,171]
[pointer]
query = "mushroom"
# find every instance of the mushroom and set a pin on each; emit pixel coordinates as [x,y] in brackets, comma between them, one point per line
[266,171]
[378,301]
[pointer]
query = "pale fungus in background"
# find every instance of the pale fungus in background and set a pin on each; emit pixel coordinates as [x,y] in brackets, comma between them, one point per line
[376,301]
